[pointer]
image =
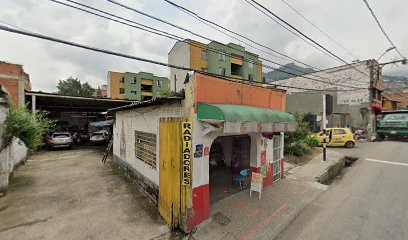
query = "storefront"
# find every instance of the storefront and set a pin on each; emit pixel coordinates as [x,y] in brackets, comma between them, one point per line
[187,153]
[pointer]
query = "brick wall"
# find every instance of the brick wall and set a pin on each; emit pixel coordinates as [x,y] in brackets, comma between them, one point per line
[10,77]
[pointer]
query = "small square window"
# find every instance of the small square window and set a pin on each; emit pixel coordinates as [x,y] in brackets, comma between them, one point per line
[121,90]
[250,64]
[122,80]
[159,83]
[221,56]
[250,77]
[222,71]
[204,69]
[134,80]
[204,55]
[133,92]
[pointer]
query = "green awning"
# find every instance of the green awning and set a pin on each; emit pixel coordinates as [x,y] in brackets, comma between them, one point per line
[240,113]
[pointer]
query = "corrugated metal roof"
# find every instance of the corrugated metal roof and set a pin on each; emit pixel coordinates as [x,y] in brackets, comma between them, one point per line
[155,101]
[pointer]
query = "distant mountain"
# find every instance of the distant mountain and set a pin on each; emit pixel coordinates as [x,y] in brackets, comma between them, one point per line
[287,71]
[389,78]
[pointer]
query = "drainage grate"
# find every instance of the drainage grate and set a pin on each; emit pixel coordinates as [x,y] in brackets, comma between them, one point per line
[221,218]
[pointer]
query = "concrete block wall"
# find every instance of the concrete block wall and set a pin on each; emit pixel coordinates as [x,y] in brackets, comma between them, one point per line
[11,157]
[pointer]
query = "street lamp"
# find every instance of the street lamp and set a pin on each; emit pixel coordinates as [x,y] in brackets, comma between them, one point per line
[389,49]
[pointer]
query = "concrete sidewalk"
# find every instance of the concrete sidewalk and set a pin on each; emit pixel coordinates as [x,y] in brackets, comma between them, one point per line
[242,217]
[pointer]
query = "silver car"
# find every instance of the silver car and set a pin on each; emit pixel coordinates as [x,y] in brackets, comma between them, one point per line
[60,140]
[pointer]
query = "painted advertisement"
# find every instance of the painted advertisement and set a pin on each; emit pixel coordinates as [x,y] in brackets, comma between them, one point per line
[187,133]
[354,97]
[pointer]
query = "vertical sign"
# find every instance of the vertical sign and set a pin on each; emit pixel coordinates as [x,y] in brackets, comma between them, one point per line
[187,132]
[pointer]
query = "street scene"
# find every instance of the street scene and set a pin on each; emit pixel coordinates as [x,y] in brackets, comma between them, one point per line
[184,120]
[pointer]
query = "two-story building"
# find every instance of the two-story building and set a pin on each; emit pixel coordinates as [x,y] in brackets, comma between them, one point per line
[230,60]
[140,86]
[16,81]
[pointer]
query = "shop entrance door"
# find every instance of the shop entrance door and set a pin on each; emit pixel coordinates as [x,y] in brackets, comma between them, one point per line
[277,157]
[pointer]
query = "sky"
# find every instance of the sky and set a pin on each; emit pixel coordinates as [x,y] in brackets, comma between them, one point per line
[348,22]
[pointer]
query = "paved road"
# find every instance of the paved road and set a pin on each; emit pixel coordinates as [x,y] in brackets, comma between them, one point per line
[72,195]
[370,201]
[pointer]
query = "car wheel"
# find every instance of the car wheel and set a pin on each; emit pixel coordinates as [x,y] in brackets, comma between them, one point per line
[380,137]
[349,144]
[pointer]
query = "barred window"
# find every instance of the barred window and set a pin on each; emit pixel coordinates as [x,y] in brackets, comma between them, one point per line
[145,148]
[277,148]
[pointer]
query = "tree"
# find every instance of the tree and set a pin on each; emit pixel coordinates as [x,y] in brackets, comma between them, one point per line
[73,87]
[27,126]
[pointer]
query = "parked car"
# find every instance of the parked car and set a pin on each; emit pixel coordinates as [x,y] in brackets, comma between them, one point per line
[393,124]
[99,137]
[338,137]
[60,140]
[85,136]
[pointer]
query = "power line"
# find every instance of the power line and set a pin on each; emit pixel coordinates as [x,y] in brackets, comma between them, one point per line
[319,29]
[301,33]
[298,31]
[181,28]
[192,43]
[100,50]
[212,24]
[382,29]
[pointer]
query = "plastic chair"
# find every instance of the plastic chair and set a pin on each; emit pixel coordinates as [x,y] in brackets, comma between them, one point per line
[241,177]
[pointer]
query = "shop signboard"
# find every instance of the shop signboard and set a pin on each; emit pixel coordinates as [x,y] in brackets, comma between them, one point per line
[256,184]
[187,133]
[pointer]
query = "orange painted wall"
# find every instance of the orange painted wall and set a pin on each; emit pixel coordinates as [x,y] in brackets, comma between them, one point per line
[196,62]
[210,89]
[115,85]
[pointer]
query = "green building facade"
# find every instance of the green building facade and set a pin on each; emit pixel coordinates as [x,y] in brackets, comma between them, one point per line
[233,61]
[144,86]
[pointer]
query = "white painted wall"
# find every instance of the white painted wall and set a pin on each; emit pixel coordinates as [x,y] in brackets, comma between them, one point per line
[356,76]
[179,55]
[142,119]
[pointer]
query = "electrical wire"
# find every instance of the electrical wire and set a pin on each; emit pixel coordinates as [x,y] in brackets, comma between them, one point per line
[100,50]
[164,34]
[212,24]
[382,29]
[301,33]
[319,29]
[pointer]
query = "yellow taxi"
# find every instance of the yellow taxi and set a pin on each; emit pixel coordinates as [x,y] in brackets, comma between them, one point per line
[337,137]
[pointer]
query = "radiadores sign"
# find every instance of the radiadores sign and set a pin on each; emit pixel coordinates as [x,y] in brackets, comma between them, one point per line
[187,133]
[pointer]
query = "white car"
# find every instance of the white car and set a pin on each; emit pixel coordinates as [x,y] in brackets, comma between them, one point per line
[99,137]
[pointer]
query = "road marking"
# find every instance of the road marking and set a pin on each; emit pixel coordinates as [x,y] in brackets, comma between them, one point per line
[387,162]
[265,221]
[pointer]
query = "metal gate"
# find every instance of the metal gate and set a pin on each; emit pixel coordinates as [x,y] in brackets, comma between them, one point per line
[170,145]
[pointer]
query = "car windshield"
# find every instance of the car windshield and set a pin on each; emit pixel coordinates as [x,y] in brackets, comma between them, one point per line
[61,135]
[396,116]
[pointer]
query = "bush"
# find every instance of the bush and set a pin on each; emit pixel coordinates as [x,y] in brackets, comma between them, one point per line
[27,126]
[298,149]
[301,141]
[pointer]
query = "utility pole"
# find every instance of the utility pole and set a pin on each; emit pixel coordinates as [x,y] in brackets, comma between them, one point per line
[324,127]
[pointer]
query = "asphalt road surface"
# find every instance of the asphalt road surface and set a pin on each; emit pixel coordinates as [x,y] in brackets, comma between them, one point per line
[370,201]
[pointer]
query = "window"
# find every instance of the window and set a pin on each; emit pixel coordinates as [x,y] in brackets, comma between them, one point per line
[250,64]
[339,132]
[134,80]
[133,92]
[221,56]
[145,148]
[121,90]
[222,71]
[159,83]
[204,55]
[122,80]
[204,69]
[250,77]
